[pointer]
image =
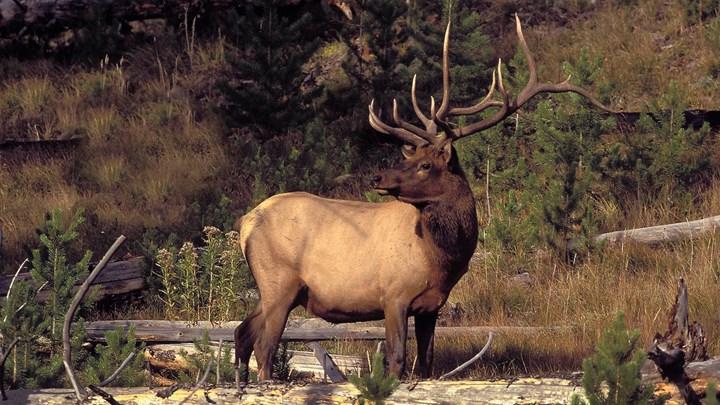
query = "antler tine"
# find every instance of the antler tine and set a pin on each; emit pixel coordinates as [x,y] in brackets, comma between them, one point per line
[531,89]
[401,133]
[446,77]
[426,135]
[416,107]
[494,119]
[430,126]
[485,103]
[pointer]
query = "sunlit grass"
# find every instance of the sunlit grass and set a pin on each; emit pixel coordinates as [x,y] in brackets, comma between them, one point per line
[143,160]
[647,39]
[101,125]
[32,96]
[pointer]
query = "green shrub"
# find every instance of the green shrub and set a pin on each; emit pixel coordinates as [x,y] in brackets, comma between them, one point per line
[281,363]
[617,363]
[204,353]
[376,386]
[711,393]
[38,359]
[119,344]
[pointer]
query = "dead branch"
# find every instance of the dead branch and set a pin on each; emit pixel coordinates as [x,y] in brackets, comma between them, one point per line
[471,361]
[2,367]
[117,372]
[104,395]
[67,350]
[167,392]
[681,344]
[199,383]
[217,362]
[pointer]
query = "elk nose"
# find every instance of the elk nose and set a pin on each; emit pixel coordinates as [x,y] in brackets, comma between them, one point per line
[376,180]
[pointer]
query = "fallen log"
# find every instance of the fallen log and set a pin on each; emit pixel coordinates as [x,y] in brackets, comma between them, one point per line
[166,358]
[524,390]
[654,235]
[181,332]
[116,278]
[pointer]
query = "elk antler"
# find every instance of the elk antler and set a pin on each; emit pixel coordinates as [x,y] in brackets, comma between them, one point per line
[417,136]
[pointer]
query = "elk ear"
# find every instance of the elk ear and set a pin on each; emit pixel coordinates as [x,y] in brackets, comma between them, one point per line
[408,151]
[445,149]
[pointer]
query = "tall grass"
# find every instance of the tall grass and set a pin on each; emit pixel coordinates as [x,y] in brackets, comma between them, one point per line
[148,149]
[645,45]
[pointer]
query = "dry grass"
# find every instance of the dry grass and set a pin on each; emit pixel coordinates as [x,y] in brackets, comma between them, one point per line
[644,47]
[145,155]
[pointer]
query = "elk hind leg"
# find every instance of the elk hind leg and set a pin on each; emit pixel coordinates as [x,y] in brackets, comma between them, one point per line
[246,335]
[275,314]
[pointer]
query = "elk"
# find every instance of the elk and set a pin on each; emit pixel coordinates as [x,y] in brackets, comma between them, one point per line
[350,261]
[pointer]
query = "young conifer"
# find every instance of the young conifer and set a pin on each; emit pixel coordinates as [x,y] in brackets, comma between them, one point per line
[617,363]
[375,386]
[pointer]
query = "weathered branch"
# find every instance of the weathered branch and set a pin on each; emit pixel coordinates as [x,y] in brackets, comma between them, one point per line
[471,361]
[201,382]
[104,395]
[2,366]
[119,370]
[67,349]
[681,344]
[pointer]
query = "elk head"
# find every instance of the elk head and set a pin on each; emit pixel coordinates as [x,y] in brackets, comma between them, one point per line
[429,153]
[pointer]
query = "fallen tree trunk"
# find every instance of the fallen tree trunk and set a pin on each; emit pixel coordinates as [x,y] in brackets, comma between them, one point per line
[164,358]
[525,390]
[116,278]
[180,332]
[654,235]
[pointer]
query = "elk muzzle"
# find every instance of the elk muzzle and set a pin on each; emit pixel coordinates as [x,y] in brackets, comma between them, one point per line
[385,183]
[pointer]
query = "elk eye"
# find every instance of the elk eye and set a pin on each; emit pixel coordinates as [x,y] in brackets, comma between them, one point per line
[425,166]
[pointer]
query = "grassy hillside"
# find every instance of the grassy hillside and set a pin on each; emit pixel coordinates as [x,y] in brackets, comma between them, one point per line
[155,152]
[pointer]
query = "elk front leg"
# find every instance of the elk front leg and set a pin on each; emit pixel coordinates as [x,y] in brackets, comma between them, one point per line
[425,335]
[395,337]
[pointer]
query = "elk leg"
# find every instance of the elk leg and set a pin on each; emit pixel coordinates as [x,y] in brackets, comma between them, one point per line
[245,336]
[395,337]
[275,317]
[425,335]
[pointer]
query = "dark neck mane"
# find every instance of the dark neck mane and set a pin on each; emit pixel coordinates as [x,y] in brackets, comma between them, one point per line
[451,224]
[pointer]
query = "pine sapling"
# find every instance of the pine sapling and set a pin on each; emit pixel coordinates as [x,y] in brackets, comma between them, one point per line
[617,364]
[376,386]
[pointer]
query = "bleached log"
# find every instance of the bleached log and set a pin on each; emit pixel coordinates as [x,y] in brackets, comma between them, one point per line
[168,331]
[525,390]
[654,235]
[166,357]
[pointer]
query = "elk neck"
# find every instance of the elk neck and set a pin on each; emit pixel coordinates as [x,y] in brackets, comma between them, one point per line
[449,224]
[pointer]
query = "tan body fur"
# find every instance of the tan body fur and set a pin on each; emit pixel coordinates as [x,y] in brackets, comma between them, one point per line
[362,263]
[349,261]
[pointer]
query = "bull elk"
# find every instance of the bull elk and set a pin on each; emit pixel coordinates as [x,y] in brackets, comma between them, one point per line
[349,261]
